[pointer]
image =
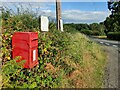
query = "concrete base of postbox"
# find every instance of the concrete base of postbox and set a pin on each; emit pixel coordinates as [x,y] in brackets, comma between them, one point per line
[25,44]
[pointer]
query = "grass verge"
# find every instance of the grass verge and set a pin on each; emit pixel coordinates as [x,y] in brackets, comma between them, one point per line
[87,60]
[101,37]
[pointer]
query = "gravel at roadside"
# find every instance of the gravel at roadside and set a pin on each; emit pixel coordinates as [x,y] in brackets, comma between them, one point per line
[111,69]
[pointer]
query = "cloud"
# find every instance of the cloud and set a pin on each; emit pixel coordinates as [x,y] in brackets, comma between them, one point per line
[77,16]
[42,5]
[48,13]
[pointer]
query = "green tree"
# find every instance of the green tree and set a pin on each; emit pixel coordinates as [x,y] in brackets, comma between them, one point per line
[97,28]
[112,23]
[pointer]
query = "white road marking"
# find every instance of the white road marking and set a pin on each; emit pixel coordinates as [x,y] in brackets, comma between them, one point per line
[101,42]
[115,46]
[107,44]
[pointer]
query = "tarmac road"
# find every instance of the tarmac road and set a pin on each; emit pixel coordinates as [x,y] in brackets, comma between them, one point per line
[112,70]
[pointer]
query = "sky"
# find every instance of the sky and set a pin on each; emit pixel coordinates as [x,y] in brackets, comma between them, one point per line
[85,12]
[72,12]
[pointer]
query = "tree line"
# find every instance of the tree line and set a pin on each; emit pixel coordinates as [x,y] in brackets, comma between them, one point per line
[89,29]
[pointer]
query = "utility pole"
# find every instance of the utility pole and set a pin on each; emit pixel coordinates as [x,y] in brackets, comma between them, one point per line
[58,13]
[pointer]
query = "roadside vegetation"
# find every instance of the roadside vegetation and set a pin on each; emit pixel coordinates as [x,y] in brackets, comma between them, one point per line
[66,59]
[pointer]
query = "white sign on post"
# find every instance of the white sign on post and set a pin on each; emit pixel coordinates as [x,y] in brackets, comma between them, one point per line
[61,25]
[44,23]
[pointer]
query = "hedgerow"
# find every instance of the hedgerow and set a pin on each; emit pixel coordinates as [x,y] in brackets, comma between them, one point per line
[51,46]
[113,35]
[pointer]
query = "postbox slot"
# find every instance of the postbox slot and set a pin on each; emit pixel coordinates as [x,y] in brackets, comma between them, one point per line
[34,43]
[34,39]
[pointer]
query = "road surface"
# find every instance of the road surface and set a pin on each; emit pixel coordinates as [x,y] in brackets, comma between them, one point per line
[112,48]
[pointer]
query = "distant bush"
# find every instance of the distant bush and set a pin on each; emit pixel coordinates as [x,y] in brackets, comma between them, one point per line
[70,29]
[114,35]
[95,33]
[88,32]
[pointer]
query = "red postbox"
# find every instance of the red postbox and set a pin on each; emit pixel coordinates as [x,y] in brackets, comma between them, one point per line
[25,44]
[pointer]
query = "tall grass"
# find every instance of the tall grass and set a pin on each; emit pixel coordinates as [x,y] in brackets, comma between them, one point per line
[87,61]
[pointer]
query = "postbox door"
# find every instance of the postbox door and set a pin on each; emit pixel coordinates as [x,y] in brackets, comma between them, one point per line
[21,48]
